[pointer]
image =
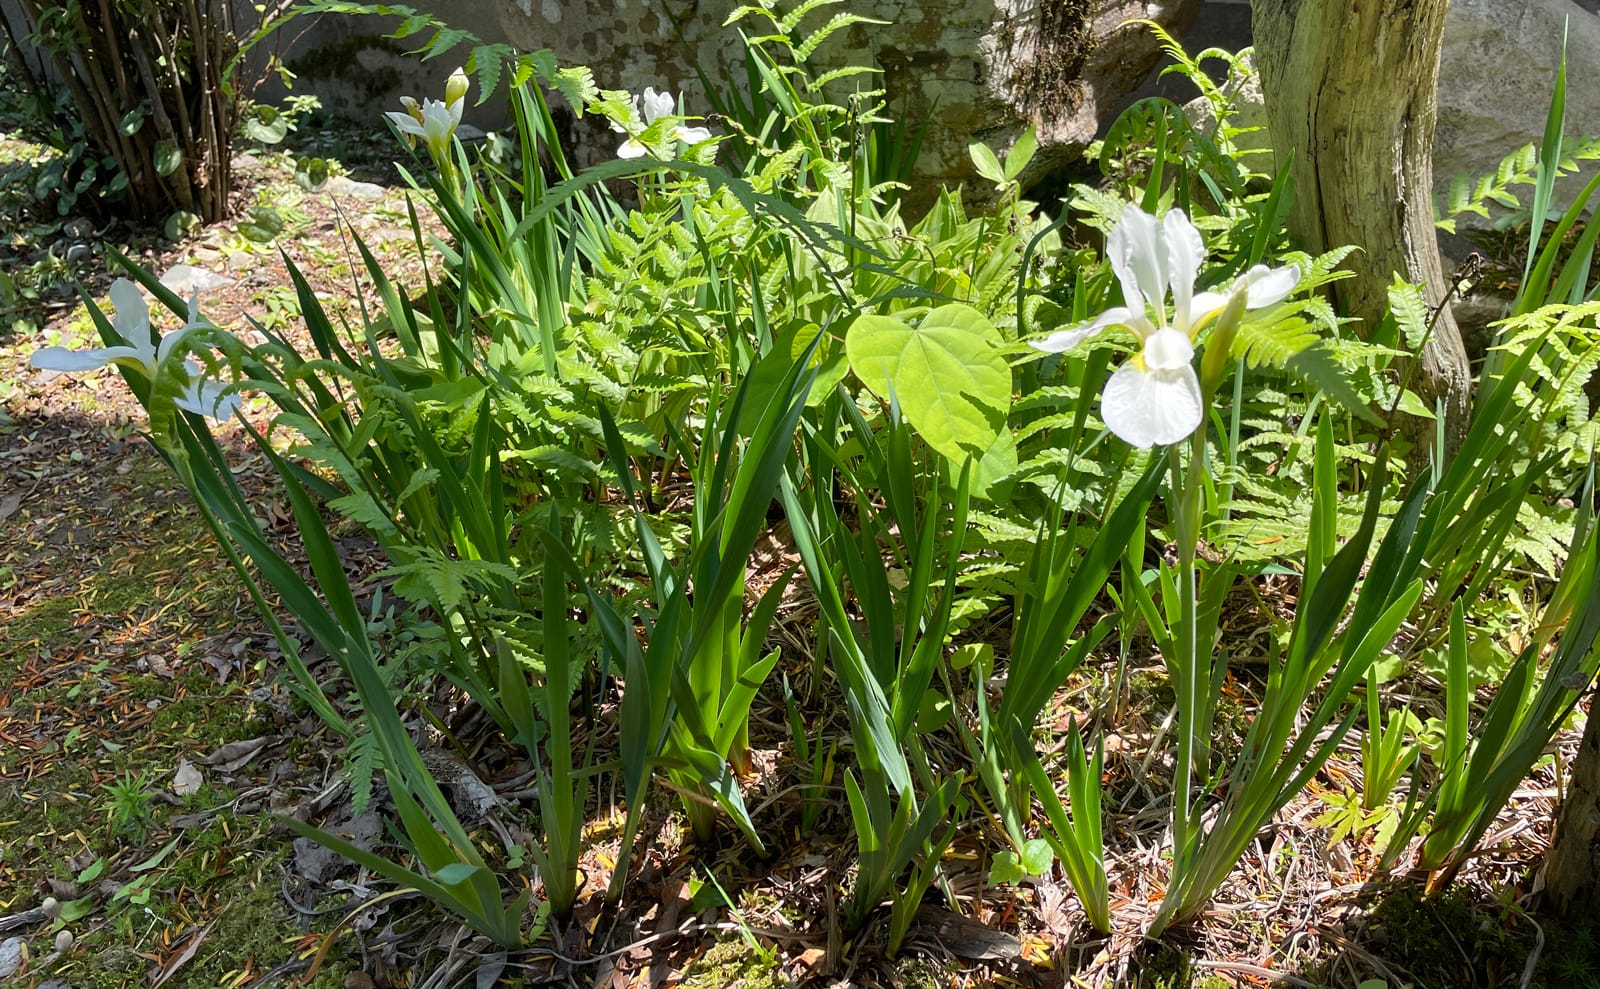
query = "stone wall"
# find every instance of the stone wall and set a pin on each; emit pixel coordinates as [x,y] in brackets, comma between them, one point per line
[976,69]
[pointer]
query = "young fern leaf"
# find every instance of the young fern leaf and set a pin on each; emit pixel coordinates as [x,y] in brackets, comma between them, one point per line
[486,61]
[363,761]
[790,22]
[1293,345]
[804,50]
[443,582]
[1410,312]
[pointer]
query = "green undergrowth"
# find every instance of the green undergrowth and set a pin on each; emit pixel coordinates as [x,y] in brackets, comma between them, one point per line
[252,931]
[91,799]
[732,962]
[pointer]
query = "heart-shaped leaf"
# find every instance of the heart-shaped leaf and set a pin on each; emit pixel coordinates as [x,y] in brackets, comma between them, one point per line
[946,374]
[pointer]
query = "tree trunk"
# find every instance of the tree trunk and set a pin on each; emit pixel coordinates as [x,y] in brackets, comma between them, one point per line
[1574,859]
[1350,88]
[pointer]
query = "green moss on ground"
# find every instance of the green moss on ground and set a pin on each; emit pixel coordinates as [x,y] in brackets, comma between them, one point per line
[732,962]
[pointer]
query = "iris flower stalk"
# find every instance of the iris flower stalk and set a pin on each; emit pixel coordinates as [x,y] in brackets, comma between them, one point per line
[1156,398]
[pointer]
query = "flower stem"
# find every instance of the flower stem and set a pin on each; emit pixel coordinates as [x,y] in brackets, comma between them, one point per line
[1193,668]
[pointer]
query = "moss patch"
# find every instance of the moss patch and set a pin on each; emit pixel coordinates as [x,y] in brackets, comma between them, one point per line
[733,962]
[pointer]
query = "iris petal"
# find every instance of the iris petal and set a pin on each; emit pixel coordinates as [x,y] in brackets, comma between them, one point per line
[132,319]
[62,359]
[1139,258]
[1167,349]
[1146,408]
[1204,306]
[1070,337]
[1185,252]
[405,123]
[1270,285]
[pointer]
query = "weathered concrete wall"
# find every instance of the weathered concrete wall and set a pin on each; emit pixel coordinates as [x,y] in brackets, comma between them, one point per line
[358,72]
[978,69]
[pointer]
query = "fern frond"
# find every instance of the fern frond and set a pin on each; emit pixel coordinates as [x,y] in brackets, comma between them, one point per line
[836,23]
[363,761]
[361,508]
[816,85]
[1409,310]
[790,22]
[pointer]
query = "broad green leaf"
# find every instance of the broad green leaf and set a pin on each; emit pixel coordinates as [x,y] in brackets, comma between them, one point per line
[1411,405]
[266,124]
[133,120]
[1037,856]
[768,373]
[1021,152]
[156,859]
[311,173]
[947,375]
[983,158]
[997,463]
[263,226]
[979,654]
[1006,868]
[933,713]
[167,158]
[181,224]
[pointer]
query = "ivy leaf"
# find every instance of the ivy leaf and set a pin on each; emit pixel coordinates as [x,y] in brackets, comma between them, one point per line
[167,158]
[266,124]
[133,120]
[1037,856]
[1006,868]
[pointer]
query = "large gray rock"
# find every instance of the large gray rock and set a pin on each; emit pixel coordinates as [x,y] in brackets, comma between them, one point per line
[1495,77]
[978,69]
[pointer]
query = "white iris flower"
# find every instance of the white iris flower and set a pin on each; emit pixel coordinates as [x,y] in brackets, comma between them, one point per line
[205,397]
[434,121]
[1154,399]
[648,107]
[132,323]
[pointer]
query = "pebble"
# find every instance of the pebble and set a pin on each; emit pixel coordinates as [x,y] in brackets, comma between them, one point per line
[77,252]
[186,279]
[10,956]
[344,186]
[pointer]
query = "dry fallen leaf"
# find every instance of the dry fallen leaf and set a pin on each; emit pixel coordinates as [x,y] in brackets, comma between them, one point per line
[187,779]
[166,970]
[236,755]
[812,958]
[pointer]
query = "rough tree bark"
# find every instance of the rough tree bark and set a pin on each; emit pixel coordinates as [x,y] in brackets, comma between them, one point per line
[1350,88]
[1572,869]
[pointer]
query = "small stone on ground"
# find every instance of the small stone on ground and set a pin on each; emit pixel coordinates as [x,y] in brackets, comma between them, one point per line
[186,279]
[341,185]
